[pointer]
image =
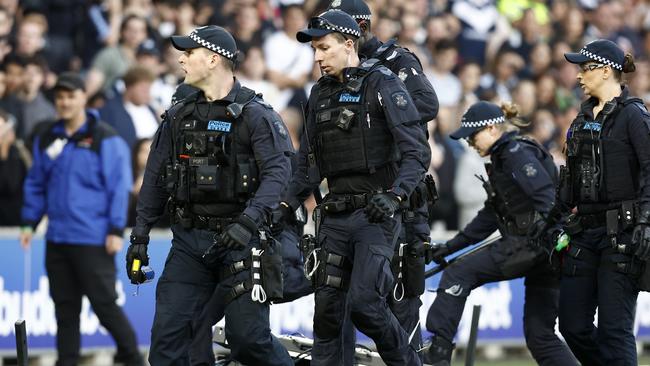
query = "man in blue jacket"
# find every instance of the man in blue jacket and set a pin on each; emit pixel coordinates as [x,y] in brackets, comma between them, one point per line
[80,179]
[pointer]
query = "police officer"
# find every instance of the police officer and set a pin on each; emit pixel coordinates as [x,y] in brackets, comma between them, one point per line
[521,193]
[222,158]
[606,184]
[363,137]
[408,261]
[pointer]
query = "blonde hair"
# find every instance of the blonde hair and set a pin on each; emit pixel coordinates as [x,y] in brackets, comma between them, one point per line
[513,122]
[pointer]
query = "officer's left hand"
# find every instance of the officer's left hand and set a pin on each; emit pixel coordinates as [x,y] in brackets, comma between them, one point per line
[137,250]
[238,234]
[641,241]
[436,252]
[381,206]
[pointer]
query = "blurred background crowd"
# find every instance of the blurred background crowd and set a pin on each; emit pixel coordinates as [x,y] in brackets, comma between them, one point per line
[497,50]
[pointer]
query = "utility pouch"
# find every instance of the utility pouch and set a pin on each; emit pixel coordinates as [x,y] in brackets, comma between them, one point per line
[627,214]
[207,178]
[333,207]
[432,190]
[588,179]
[414,274]
[565,191]
[519,257]
[272,282]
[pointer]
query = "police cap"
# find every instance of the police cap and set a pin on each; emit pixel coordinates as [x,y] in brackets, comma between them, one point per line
[328,22]
[357,9]
[212,37]
[479,115]
[602,51]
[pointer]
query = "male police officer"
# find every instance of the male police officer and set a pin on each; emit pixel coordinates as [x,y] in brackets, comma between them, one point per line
[408,262]
[363,136]
[222,155]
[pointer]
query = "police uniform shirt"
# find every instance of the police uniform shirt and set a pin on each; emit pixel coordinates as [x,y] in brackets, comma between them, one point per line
[386,96]
[408,68]
[523,163]
[270,144]
[631,124]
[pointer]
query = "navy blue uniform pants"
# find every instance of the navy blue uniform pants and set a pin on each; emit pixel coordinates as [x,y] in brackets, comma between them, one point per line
[186,285]
[540,307]
[590,281]
[77,270]
[295,285]
[368,247]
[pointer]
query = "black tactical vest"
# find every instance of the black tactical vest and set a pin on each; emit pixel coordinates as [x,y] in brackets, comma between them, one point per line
[514,209]
[212,169]
[349,137]
[601,169]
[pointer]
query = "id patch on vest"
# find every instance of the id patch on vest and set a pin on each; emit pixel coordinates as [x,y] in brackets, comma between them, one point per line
[221,126]
[349,98]
[279,127]
[400,100]
[594,126]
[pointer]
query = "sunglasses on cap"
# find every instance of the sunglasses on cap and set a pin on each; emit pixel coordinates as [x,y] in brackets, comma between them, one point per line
[320,23]
[591,67]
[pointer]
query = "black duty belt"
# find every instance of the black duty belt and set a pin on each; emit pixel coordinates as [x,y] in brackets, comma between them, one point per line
[345,203]
[212,223]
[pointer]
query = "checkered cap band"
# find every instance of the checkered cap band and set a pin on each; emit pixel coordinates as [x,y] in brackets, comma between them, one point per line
[485,122]
[601,59]
[343,30]
[211,46]
[366,17]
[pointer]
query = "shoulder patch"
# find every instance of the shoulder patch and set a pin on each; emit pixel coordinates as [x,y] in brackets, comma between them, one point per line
[529,170]
[279,127]
[400,99]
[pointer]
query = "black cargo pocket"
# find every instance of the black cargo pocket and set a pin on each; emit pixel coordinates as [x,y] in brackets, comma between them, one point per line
[272,282]
[207,178]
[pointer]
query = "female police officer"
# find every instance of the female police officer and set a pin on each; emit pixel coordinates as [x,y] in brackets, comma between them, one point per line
[521,192]
[606,185]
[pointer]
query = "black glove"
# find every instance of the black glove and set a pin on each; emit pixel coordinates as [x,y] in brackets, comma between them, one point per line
[436,252]
[641,235]
[238,234]
[137,250]
[381,206]
[280,217]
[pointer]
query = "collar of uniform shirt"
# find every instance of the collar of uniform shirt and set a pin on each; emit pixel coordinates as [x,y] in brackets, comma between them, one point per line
[502,141]
[230,97]
[368,48]
[587,107]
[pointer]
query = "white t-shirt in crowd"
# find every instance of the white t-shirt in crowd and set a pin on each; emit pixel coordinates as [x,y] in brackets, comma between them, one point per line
[144,120]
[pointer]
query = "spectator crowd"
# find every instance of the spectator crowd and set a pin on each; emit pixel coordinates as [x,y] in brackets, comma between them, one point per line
[495,50]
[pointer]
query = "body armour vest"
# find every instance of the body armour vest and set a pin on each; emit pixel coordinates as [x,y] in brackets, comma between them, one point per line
[601,169]
[212,169]
[350,137]
[510,202]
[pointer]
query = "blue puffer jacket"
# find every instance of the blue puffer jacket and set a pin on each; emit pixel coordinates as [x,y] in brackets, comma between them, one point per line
[80,182]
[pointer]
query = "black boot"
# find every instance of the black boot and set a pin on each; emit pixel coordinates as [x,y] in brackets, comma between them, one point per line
[439,353]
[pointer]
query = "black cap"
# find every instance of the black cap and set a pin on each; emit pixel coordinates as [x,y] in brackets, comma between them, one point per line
[212,37]
[602,51]
[329,22]
[357,9]
[479,115]
[148,47]
[69,81]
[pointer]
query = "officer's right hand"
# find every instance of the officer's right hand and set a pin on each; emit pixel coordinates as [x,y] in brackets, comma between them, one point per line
[382,206]
[137,250]
[239,233]
[436,252]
